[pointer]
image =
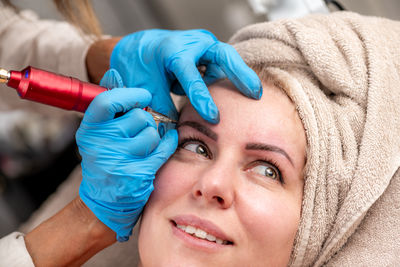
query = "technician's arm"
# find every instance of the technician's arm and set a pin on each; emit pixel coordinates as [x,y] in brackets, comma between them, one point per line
[98,58]
[162,61]
[120,157]
[69,238]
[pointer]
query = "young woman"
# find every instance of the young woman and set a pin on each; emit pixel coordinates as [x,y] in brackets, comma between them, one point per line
[308,175]
[231,194]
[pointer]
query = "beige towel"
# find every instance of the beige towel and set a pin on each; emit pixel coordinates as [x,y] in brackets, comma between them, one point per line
[342,72]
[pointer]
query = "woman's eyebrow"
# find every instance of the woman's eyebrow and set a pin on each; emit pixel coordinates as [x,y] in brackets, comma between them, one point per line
[199,127]
[267,147]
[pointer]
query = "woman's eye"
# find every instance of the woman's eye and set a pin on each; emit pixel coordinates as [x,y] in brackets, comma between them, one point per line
[267,170]
[197,148]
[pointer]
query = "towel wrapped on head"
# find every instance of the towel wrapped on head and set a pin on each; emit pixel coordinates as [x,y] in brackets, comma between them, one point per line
[342,71]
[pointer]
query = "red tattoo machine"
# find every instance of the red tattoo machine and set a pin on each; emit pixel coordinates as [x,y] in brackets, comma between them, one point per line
[58,90]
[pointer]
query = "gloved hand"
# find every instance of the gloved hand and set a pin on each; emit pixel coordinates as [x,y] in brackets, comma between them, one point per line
[120,156]
[154,59]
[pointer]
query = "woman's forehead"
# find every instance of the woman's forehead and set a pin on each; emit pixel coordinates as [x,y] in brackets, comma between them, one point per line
[274,108]
[242,119]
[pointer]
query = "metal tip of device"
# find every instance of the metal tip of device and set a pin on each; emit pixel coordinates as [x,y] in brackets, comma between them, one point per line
[4,75]
[160,117]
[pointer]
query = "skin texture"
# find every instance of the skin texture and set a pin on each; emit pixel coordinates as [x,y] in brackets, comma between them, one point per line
[98,58]
[222,182]
[69,238]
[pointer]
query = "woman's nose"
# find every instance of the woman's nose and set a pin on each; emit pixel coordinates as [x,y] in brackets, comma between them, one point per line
[216,185]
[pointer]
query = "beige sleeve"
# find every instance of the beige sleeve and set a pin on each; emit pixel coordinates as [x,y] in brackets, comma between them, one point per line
[48,44]
[13,251]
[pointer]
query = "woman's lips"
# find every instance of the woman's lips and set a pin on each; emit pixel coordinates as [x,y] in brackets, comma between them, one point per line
[200,233]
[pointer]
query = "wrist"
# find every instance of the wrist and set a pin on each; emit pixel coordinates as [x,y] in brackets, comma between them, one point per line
[93,227]
[98,58]
[69,238]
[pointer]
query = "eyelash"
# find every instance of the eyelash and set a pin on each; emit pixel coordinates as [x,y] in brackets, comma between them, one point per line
[197,140]
[275,165]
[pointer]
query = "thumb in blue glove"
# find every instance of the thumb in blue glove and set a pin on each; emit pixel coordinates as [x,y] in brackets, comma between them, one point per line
[120,156]
[157,59]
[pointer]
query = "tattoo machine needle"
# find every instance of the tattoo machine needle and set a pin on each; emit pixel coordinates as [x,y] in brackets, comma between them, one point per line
[59,91]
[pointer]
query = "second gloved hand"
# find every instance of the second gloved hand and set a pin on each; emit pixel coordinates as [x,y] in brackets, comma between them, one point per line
[120,156]
[157,59]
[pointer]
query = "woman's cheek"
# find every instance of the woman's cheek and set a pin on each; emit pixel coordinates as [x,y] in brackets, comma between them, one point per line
[269,217]
[171,180]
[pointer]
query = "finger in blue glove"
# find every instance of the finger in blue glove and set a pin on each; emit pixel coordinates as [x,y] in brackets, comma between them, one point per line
[156,59]
[120,156]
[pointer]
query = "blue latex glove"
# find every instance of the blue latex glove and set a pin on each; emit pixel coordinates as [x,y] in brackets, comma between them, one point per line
[120,156]
[154,59]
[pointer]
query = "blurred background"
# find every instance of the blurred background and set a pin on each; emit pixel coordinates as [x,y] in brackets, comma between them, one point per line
[23,190]
[222,17]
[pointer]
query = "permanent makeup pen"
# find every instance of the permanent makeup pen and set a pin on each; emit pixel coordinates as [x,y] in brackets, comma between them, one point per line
[57,90]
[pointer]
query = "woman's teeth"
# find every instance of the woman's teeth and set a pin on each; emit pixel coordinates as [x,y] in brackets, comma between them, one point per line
[201,234]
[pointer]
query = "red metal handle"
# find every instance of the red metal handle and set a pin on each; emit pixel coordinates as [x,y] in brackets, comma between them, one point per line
[54,89]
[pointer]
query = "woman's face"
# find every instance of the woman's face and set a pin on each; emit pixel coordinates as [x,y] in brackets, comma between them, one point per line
[231,194]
